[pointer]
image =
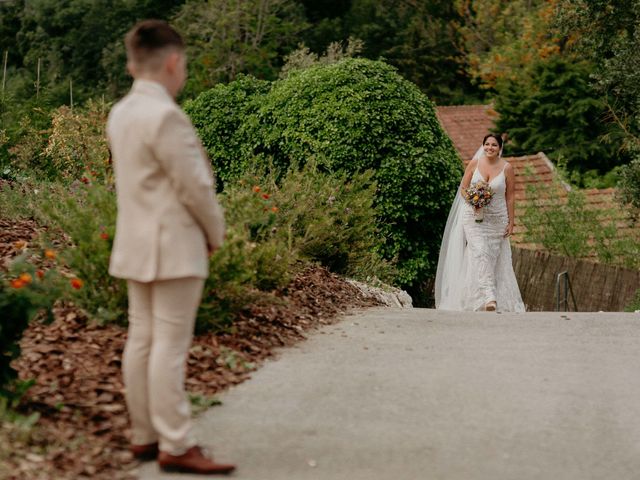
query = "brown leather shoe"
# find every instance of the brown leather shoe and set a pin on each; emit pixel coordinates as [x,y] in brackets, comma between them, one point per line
[145,452]
[192,461]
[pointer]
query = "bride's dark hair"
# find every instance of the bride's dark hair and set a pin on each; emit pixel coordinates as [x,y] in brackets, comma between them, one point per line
[497,137]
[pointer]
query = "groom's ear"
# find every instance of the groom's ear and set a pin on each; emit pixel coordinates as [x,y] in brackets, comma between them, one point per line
[131,69]
[171,62]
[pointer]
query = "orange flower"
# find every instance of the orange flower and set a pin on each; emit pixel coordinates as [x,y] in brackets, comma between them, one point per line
[104,236]
[17,283]
[40,274]
[26,278]
[274,209]
[50,254]
[266,196]
[20,244]
[256,188]
[76,283]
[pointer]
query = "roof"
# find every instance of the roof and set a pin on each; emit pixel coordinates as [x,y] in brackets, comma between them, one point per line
[467,125]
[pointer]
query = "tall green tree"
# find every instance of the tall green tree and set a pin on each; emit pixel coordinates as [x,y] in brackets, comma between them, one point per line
[70,37]
[501,38]
[607,32]
[555,109]
[226,38]
[419,37]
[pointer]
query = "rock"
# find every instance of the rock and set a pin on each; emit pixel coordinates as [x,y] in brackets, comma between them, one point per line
[386,294]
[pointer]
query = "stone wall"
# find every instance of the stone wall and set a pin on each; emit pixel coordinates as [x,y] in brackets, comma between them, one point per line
[597,287]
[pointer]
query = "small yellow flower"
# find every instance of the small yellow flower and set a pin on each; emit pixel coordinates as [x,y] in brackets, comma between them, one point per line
[26,278]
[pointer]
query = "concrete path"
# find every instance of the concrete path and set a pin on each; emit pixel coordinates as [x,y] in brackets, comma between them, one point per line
[426,395]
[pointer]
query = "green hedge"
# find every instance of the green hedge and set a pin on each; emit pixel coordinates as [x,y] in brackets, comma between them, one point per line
[350,116]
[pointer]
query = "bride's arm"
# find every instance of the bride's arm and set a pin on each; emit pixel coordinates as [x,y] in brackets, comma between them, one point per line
[511,198]
[468,174]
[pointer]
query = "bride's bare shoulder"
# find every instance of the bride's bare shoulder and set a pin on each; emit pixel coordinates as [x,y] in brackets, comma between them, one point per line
[472,164]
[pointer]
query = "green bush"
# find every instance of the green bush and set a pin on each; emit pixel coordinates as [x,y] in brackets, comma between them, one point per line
[24,291]
[274,227]
[85,215]
[331,220]
[220,115]
[64,144]
[351,116]
[629,186]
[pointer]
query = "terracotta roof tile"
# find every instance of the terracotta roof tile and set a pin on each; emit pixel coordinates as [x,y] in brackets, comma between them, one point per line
[467,125]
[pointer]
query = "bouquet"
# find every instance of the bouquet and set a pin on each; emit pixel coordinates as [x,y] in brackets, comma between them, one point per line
[479,195]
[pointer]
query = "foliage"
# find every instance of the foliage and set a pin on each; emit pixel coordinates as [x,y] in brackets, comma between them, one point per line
[303,57]
[220,115]
[24,292]
[420,38]
[227,38]
[629,186]
[70,145]
[77,145]
[501,38]
[308,216]
[86,216]
[353,116]
[607,32]
[634,306]
[331,219]
[571,228]
[556,110]
[70,38]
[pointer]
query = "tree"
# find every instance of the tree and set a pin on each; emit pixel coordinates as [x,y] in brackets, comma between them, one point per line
[607,32]
[556,110]
[227,38]
[501,38]
[70,38]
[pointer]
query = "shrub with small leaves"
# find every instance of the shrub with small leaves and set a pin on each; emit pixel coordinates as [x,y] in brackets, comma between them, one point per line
[275,227]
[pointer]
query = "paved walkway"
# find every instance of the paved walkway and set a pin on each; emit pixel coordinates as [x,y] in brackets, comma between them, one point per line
[426,395]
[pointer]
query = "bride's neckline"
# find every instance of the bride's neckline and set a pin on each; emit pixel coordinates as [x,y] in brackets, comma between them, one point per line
[482,176]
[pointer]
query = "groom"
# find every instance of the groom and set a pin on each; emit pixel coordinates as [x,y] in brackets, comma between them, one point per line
[169,221]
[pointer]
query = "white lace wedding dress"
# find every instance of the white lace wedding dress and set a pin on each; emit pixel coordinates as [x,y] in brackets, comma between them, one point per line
[475,258]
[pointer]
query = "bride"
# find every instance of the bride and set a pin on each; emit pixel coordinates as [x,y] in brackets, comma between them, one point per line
[474,269]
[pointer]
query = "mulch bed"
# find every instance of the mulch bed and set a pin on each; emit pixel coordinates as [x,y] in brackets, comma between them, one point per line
[83,428]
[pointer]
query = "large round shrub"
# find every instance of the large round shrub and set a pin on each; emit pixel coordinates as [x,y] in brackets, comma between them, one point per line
[221,116]
[352,116]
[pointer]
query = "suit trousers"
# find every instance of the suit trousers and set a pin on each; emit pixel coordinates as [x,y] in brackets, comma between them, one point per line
[161,322]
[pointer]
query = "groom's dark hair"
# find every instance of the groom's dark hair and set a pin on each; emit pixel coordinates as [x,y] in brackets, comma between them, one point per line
[150,38]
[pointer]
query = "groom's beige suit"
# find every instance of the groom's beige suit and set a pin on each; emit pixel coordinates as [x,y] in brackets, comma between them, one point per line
[168,219]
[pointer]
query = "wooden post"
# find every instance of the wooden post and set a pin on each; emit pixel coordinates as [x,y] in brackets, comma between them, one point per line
[71,92]
[38,81]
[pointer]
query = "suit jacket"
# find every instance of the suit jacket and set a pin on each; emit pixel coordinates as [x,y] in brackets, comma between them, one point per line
[167,209]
